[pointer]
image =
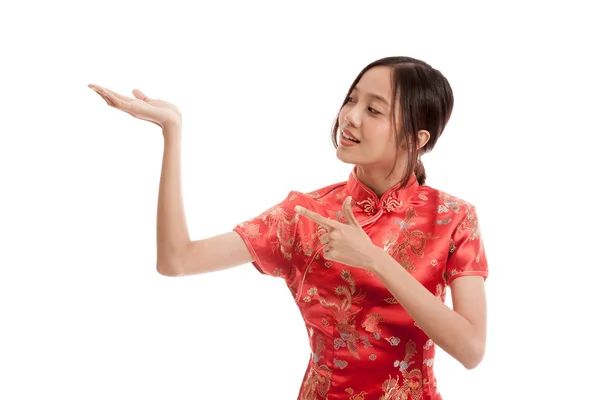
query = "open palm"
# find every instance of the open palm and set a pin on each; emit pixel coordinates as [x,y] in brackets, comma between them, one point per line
[158,112]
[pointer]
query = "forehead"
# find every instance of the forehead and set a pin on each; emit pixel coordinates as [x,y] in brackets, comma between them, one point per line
[377,81]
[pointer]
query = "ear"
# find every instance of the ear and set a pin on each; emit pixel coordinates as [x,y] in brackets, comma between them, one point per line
[422,138]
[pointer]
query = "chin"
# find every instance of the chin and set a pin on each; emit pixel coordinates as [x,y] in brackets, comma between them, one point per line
[344,157]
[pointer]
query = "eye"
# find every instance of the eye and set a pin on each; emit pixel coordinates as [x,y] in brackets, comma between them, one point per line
[374,111]
[350,99]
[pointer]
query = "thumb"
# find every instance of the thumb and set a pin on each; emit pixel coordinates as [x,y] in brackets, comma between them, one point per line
[347,207]
[139,95]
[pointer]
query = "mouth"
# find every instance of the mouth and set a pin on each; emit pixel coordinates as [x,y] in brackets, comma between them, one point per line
[348,136]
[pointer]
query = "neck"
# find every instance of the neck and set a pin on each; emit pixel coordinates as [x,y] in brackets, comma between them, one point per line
[378,180]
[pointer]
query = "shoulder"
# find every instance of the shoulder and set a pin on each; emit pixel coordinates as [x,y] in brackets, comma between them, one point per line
[325,197]
[450,209]
[446,202]
[330,196]
[328,193]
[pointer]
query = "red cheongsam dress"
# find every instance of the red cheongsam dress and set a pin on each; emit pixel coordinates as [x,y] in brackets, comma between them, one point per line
[364,345]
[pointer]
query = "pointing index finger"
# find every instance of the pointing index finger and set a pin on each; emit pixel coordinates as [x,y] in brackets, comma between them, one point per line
[313,216]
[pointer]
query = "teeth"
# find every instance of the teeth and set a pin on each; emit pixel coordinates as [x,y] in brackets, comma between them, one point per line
[349,138]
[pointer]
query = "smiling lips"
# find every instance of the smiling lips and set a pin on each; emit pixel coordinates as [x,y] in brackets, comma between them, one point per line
[346,135]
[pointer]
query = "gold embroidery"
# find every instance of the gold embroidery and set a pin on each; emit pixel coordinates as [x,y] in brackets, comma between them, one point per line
[359,396]
[393,340]
[440,291]
[282,223]
[368,205]
[371,324]
[470,222]
[390,204]
[412,383]
[309,243]
[318,379]
[252,230]
[414,241]
[277,272]
[451,203]
[317,382]
[452,246]
[391,300]
[341,309]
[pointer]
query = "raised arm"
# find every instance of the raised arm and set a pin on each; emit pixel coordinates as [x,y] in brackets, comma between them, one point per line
[176,254]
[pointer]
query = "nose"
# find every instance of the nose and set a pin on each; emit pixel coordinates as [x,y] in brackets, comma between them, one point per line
[353,117]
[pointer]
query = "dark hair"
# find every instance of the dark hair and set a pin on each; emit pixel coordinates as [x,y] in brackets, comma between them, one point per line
[426,101]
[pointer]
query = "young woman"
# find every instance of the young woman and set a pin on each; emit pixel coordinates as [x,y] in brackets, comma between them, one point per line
[367,260]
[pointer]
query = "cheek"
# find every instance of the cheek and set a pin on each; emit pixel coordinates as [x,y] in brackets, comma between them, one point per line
[383,141]
[381,134]
[342,114]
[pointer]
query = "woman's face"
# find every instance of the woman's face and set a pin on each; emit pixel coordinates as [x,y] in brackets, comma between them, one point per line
[366,136]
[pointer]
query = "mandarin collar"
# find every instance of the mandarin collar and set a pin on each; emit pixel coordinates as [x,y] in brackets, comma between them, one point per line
[394,198]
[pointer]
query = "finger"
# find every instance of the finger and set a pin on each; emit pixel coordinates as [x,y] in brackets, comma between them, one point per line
[140,95]
[121,102]
[313,216]
[95,87]
[110,103]
[324,239]
[107,92]
[347,207]
[114,100]
[117,95]
[328,253]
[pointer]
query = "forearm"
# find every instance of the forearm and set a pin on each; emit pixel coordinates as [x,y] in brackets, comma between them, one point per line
[171,228]
[449,330]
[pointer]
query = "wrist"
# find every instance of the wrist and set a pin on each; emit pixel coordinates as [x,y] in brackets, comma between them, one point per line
[378,258]
[172,129]
[173,124]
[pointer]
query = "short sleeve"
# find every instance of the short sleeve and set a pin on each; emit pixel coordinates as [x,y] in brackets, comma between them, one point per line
[467,254]
[270,238]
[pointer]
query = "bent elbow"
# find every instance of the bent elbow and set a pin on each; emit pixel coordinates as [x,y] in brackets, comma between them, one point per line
[475,357]
[166,270]
[472,364]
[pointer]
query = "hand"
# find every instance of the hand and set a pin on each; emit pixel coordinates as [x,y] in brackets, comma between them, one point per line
[158,112]
[345,243]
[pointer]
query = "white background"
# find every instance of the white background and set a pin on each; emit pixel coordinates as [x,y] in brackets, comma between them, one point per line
[85,315]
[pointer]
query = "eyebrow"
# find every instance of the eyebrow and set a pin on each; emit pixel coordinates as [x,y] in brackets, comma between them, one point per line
[376,96]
